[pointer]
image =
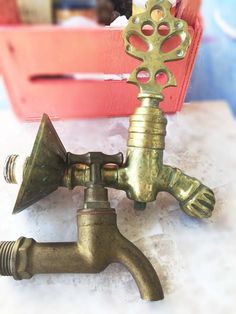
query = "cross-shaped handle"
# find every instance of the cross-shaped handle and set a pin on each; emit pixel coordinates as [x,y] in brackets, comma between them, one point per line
[95,160]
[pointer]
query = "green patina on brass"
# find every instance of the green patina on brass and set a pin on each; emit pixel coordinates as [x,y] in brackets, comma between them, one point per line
[143,174]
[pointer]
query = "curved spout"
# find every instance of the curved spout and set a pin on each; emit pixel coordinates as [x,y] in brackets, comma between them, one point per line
[141,269]
[99,244]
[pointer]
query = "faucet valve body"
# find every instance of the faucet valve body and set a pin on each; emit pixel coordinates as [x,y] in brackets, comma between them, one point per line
[147,128]
[146,143]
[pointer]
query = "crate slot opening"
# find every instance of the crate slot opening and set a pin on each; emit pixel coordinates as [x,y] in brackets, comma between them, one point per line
[79,77]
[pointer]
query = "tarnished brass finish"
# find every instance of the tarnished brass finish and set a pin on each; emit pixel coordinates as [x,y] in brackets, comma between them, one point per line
[45,168]
[99,241]
[155,27]
[100,244]
[143,175]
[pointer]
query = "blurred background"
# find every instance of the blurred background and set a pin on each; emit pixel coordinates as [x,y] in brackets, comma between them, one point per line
[214,75]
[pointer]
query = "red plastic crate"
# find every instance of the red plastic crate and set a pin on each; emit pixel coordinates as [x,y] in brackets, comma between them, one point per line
[33,51]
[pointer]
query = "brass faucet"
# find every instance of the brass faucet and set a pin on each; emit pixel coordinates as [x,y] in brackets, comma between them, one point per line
[143,175]
[99,241]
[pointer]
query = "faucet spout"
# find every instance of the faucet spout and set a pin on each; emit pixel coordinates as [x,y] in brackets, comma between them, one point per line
[141,269]
[99,244]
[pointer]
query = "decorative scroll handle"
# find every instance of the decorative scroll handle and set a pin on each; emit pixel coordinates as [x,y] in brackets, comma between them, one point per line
[154,28]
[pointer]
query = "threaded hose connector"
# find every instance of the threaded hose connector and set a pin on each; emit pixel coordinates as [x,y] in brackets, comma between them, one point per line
[14,168]
[9,169]
[7,253]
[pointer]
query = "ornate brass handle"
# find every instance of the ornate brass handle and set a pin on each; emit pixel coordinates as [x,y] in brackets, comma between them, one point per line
[155,27]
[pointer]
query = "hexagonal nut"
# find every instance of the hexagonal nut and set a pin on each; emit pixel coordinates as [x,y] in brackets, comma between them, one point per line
[22,258]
